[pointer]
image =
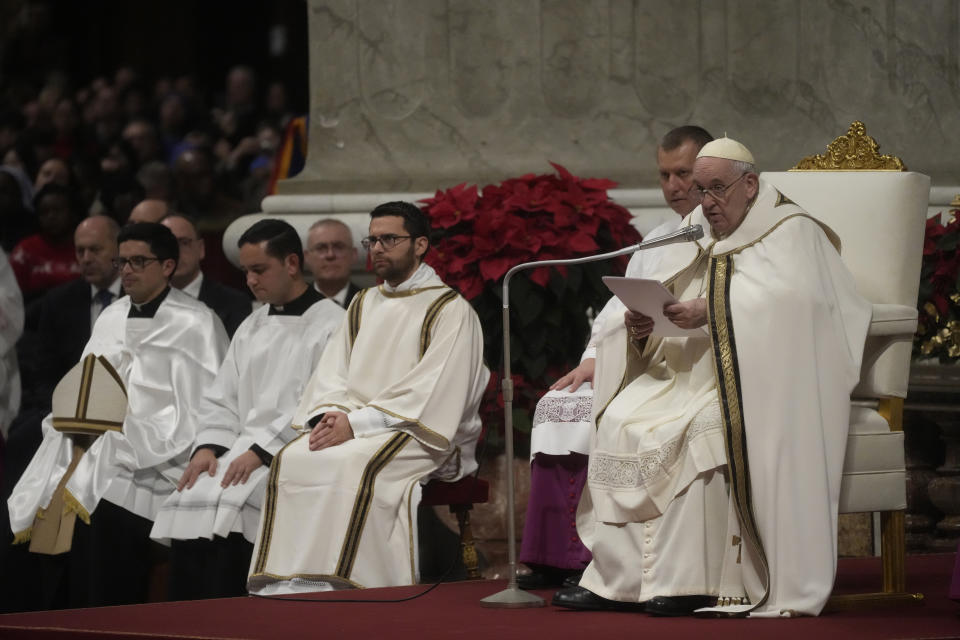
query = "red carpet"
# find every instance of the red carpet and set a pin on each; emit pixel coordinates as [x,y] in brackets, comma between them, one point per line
[453,610]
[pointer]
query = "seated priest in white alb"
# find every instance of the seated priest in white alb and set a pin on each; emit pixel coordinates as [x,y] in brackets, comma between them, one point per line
[244,419]
[560,440]
[393,401]
[714,473]
[150,356]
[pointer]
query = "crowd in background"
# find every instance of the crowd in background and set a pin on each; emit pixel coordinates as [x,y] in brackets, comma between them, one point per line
[152,146]
[68,152]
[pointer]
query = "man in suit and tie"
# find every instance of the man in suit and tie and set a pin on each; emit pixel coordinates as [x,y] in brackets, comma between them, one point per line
[231,305]
[330,257]
[68,312]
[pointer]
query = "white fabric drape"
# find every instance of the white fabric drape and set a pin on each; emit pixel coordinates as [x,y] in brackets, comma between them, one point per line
[165,363]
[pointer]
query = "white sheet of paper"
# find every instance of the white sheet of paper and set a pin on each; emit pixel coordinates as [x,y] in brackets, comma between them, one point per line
[649,297]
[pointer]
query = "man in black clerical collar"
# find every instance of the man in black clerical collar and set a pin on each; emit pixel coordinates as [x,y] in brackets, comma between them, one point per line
[244,418]
[272,262]
[146,260]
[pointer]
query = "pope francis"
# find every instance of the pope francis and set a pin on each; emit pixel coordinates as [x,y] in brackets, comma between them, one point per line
[715,467]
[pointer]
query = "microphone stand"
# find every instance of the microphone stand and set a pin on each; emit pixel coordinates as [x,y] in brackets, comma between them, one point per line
[513,597]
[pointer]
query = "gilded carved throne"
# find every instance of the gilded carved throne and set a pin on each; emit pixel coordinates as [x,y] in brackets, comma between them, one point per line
[879,211]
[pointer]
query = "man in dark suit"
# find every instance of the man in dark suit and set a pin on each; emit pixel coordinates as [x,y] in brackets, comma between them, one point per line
[67,312]
[330,257]
[231,305]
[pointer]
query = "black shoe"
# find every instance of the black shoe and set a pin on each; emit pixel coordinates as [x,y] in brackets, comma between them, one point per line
[585,600]
[572,580]
[676,605]
[545,577]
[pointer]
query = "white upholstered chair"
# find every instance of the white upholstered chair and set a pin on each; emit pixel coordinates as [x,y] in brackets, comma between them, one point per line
[880,218]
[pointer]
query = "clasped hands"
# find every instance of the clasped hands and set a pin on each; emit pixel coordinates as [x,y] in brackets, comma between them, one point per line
[333,429]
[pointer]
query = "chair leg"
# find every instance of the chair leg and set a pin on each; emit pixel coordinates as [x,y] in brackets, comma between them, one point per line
[468,550]
[892,545]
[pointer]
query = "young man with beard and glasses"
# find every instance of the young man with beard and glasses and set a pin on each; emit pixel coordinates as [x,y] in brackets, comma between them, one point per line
[244,419]
[116,442]
[560,441]
[393,401]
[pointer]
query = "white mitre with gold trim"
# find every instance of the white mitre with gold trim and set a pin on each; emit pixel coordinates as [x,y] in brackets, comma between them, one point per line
[726,148]
[91,399]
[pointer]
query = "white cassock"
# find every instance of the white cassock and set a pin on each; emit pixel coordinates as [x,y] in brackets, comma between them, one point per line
[675,422]
[407,368]
[11,326]
[562,421]
[165,362]
[252,401]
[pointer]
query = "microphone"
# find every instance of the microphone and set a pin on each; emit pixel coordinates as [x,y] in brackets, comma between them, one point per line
[686,234]
[512,596]
[693,232]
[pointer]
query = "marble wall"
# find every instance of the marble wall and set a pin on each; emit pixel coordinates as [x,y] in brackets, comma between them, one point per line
[414,95]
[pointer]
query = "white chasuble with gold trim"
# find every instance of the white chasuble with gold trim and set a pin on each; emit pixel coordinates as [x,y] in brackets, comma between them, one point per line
[345,516]
[765,399]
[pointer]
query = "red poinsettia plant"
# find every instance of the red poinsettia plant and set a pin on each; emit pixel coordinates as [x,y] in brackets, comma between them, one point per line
[482,233]
[938,326]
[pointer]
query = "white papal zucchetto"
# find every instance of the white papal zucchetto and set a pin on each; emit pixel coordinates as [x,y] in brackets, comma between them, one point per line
[727,149]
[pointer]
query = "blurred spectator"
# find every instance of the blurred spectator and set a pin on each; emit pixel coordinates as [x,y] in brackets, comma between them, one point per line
[66,127]
[141,135]
[156,180]
[173,121]
[119,194]
[46,259]
[16,207]
[198,193]
[149,211]
[276,107]
[239,117]
[199,196]
[260,166]
[53,170]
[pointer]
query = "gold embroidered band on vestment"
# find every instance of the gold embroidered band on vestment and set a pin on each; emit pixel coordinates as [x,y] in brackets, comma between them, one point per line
[354,313]
[430,318]
[731,408]
[361,505]
[270,508]
[86,378]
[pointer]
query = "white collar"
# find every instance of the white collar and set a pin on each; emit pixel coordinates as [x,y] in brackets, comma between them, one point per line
[420,277]
[193,289]
[340,297]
